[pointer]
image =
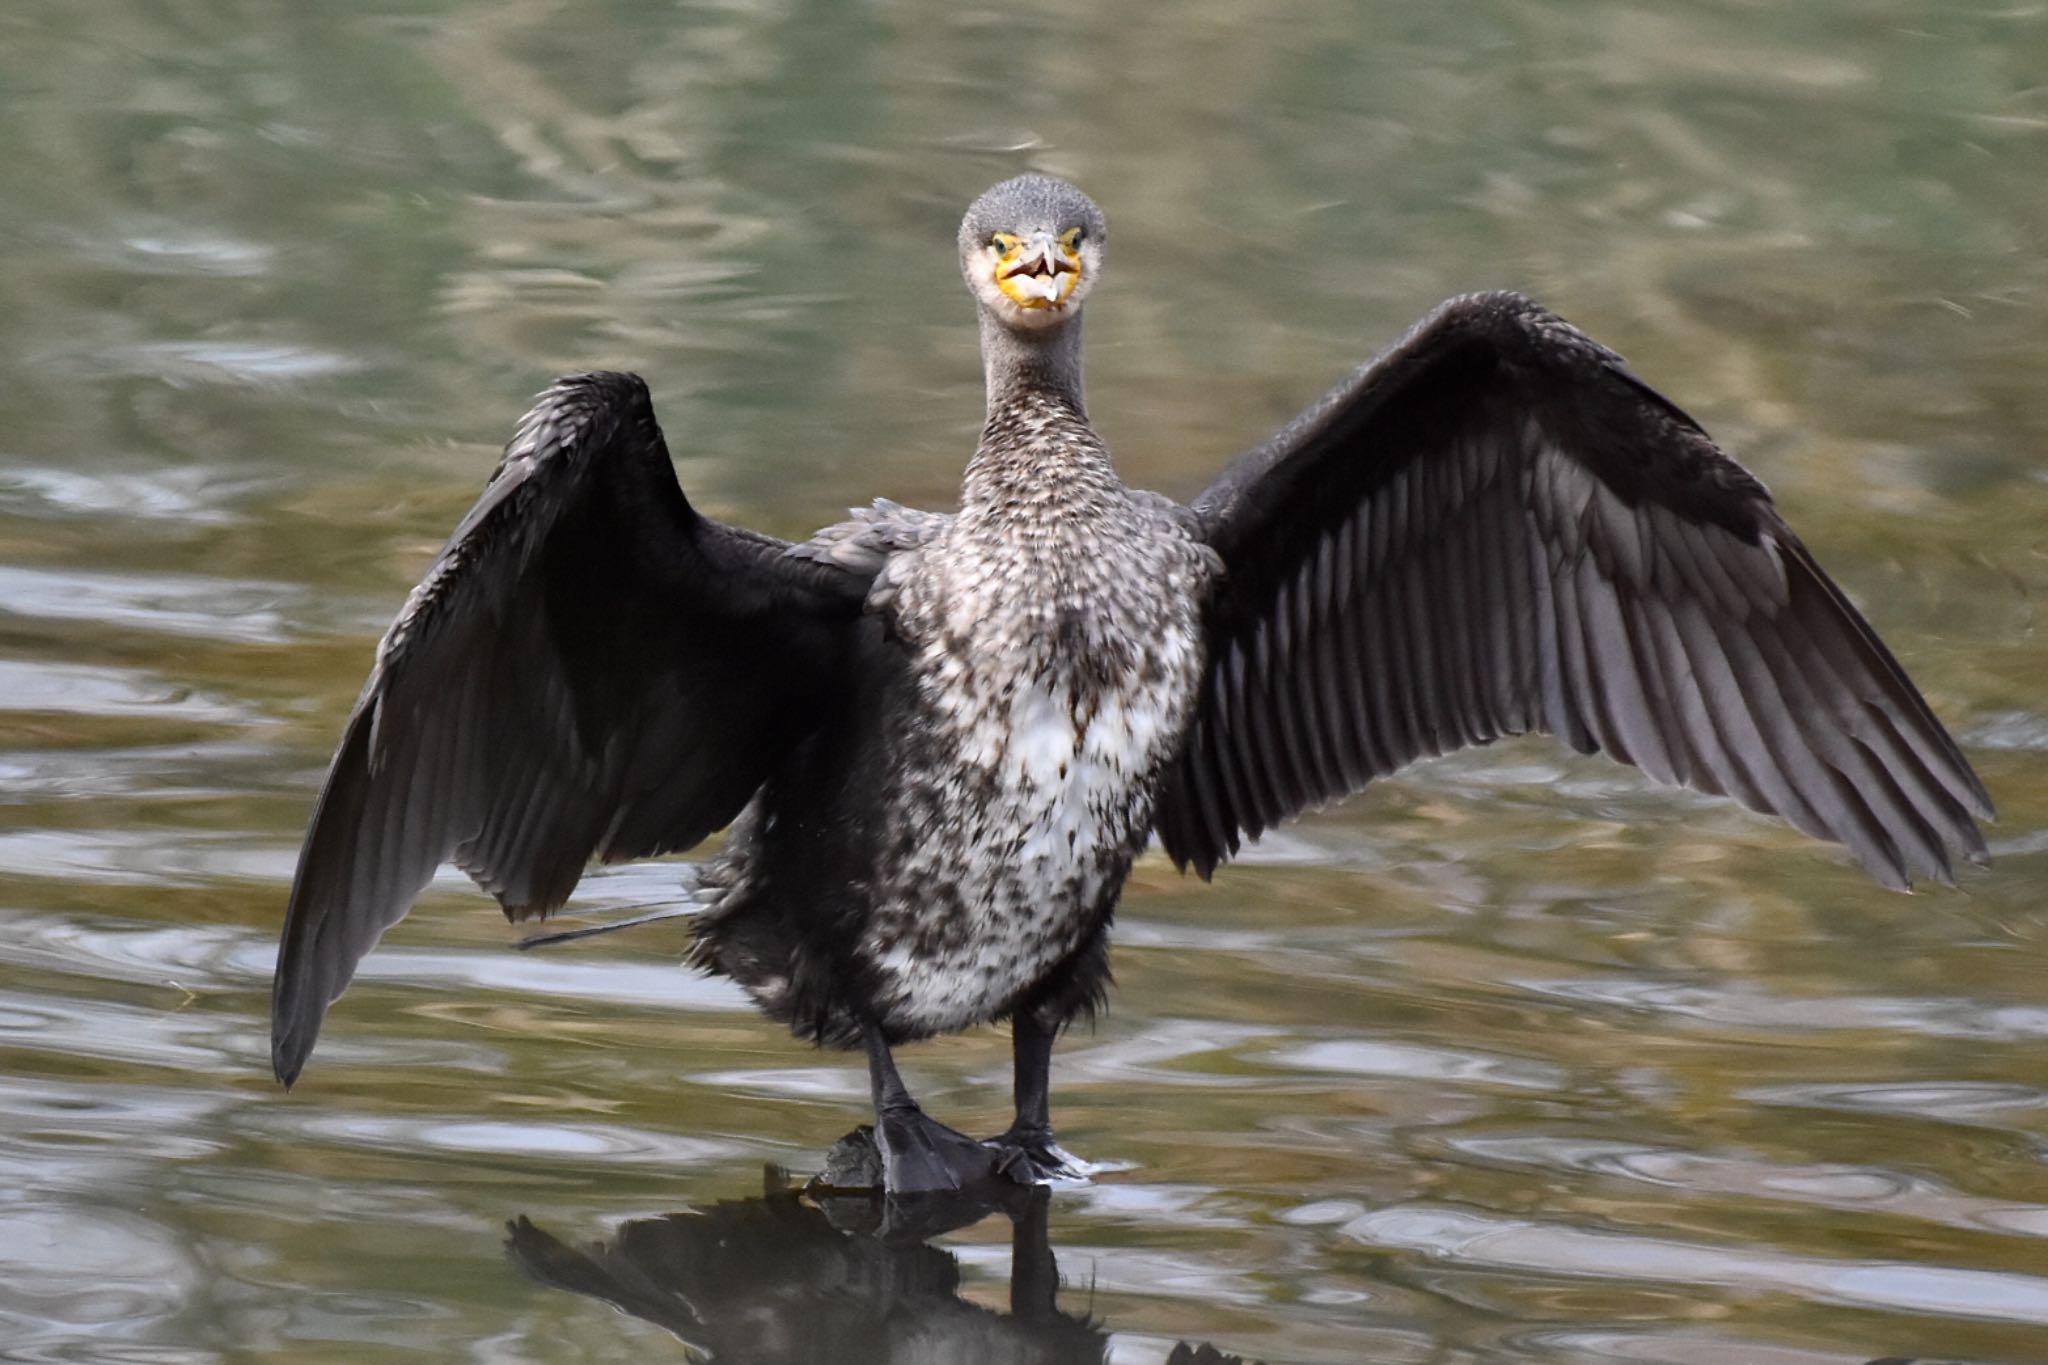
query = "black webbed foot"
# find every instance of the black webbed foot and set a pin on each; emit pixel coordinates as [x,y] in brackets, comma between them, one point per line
[849,1191]
[1029,1156]
[921,1155]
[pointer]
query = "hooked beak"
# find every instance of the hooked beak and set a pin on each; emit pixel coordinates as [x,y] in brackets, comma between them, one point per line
[1039,271]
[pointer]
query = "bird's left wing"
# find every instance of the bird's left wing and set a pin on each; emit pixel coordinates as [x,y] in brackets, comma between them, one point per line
[1495,527]
[590,667]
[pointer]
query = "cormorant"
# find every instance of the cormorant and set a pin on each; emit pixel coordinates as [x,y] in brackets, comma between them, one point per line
[941,739]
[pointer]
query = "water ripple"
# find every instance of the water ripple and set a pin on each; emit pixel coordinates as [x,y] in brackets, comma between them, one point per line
[1747,1004]
[84,1137]
[239,612]
[1498,1242]
[665,985]
[1146,1058]
[188,496]
[84,690]
[2015,731]
[183,363]
[160,772]
[835,1083]
[466,1136]
[1709,1175]
[1414,1061]
[194,956]
[65,1266]
[1982,1103]
[1675,1346]
[142,859]
[199,252]
[178,1040]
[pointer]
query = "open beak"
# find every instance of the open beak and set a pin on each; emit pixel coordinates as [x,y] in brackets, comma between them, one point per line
[1040,271]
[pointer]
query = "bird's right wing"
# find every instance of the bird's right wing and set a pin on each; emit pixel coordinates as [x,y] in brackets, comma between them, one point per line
[590,667]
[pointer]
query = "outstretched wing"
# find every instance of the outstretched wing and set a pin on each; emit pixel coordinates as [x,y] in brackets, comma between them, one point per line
[1494,528]
[590,667]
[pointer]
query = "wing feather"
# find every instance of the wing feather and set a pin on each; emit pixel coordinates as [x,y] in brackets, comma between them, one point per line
[590,667]
[1496,527]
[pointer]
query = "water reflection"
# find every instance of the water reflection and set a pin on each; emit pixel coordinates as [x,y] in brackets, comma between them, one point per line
[819,1273]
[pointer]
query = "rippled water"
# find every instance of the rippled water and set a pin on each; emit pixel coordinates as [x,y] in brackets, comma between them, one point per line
[1512,1059]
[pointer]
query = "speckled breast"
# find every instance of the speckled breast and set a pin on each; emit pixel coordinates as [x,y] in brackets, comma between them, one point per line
[1053,678]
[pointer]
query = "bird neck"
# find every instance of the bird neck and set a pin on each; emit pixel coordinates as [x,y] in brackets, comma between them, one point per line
[1038,456]
[1043,365]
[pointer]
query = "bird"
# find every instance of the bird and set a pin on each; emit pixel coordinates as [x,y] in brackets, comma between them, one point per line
[937,741]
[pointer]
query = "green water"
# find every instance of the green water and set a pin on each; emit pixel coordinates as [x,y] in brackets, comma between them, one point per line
[1511,1059]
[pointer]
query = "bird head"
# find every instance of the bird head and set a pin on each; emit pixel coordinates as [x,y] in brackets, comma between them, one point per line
[1031,248]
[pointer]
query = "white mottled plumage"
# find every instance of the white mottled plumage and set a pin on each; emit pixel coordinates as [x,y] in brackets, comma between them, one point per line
[1057,725]
[1050,682]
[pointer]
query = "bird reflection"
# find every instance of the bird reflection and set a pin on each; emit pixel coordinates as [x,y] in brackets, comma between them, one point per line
[804,1274]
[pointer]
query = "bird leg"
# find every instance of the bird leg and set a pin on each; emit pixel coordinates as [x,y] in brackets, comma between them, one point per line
[1026,1153]
[919,1154]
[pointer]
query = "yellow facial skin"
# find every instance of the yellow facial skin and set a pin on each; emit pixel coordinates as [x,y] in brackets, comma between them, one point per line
[1039,270]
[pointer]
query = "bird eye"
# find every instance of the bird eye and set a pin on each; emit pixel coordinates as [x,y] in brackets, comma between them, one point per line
[1002,241]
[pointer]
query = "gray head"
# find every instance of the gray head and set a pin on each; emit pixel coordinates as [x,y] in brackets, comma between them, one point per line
[1031,249]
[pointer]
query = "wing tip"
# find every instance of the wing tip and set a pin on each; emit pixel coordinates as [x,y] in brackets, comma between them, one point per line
[1888,873]
[288,1057]
[1980,803]
[1185,856]
[294,1028]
